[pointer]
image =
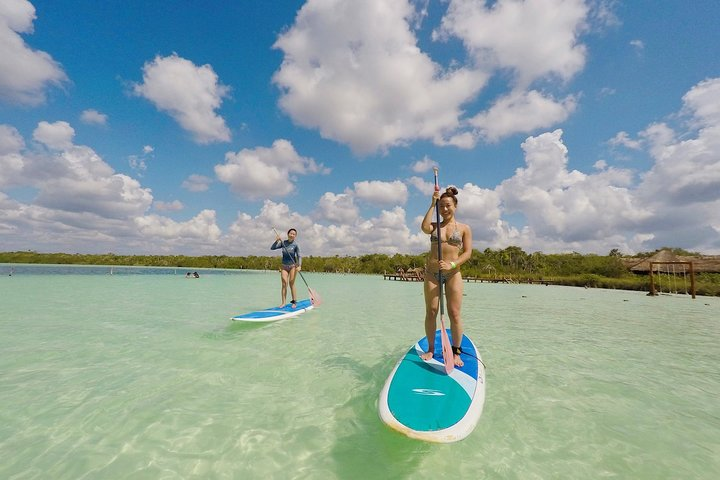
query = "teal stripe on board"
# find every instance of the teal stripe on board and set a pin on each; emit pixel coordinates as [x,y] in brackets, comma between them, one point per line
[426,399]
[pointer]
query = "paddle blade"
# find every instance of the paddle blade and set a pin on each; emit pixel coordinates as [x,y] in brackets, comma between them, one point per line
[447,353]
[315,299]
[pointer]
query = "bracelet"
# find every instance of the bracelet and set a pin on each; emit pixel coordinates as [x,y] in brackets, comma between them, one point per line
[452,264]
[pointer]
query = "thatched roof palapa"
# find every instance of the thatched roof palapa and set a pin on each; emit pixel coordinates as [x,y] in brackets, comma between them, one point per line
[709,263]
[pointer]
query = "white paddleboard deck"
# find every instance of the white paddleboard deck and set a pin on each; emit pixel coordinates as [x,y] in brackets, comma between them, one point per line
[423,402]
[275,313]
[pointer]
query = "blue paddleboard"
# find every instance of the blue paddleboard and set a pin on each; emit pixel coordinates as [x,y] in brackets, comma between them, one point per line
[421,401]
[276,313]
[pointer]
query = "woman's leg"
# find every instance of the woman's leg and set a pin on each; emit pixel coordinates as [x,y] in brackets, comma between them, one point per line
[283,288]
[453,295]
[291,276]
[431,309]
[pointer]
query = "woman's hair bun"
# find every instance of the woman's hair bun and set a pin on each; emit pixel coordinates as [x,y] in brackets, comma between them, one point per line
[451,190]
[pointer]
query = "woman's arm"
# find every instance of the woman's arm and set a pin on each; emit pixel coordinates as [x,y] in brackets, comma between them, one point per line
[427,224]
[467,246]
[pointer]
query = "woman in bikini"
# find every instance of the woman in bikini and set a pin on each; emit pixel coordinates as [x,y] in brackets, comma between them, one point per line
[291,262]
[456,245]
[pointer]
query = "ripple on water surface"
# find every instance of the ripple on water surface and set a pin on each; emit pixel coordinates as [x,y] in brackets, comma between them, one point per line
[137,375]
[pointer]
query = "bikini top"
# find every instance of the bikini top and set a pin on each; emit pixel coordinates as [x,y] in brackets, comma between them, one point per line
[455,239]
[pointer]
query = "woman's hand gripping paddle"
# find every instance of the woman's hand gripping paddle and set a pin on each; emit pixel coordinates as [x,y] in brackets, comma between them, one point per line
[447,353]
[314,297]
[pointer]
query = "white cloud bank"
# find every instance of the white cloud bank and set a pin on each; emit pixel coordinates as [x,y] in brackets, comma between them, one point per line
[25,74]
[355,72]
[81,204]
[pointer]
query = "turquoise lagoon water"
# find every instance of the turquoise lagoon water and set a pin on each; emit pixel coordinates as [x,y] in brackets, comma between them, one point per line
[141,375]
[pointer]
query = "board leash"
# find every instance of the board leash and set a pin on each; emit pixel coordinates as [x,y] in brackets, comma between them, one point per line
[463,352]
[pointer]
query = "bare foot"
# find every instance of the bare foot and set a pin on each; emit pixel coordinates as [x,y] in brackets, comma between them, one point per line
[458,361]
[427,355]
[293,304]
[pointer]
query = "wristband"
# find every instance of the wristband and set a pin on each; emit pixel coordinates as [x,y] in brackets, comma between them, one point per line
[452,264]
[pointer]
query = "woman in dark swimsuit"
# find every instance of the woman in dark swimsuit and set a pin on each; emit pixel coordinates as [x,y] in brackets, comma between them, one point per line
[456,245]
[291,264]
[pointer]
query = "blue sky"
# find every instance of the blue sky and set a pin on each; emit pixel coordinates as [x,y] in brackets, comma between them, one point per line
[567,125]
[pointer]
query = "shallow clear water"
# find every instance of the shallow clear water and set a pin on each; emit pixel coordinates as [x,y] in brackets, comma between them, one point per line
[142,375]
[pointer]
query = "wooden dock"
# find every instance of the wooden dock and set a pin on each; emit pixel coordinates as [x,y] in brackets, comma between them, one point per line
[403,277]
[505,280]
[416,277]
[488,280]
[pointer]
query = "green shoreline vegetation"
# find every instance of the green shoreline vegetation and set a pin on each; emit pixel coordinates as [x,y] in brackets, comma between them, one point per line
[511,264]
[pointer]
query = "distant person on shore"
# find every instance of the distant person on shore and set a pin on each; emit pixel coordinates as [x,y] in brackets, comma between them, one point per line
[291,264]
[456,245]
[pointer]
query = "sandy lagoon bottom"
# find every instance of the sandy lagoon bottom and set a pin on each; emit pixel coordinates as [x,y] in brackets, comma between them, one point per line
[142,375]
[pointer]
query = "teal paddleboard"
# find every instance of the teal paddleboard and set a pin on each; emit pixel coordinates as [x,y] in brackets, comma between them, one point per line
[276,313]
[421,401]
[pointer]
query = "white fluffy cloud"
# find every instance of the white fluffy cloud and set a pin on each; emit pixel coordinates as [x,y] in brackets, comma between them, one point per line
[354,70]
[197,183]
[190,94]
[421,185]
[387,233]
[11,160]
[81,182]
[338,208]
[201,228]
[382,193]
[161,206]
[25,74]
[522,112]
[81,203]
[480,208]
[676,202]
[683,185]
[507,34]
[624,140]
[93,117]
[253,235]
[569,205]
[10,140]
[265,172]
[424,165]
[55,136]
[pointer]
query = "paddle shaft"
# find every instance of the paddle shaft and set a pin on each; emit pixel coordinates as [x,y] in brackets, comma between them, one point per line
[448,355]
[441,279]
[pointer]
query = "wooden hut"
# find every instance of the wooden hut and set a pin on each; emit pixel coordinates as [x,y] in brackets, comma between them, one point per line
[701,264]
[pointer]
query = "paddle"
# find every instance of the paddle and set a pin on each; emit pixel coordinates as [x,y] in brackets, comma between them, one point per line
[314,297]
[447,353]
